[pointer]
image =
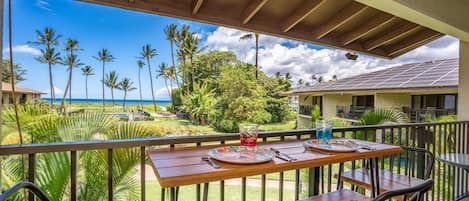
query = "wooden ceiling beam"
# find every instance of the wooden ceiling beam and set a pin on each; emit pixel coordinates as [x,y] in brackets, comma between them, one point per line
[377,22]
[251,10]
[413,42]
[301,13]
[338,19]
[392,35]
[195,6]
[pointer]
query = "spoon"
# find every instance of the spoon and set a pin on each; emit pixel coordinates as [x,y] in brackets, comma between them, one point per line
[210,161]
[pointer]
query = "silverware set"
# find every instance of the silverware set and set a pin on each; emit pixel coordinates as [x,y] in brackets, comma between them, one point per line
[283,156]
[210,161]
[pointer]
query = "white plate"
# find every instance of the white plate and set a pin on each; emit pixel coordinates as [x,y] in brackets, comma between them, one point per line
[333,145]
[240,155]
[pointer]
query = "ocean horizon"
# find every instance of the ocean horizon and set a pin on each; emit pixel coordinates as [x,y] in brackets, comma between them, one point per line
[109,101]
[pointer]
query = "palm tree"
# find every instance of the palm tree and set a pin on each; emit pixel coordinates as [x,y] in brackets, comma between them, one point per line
[334,77]
[277,75]
[182,52]
[111,82]
[300,82]
[48,38]
[87,71]
[148,53]
[288,76]
[172,75]
[50,57]
[163,72]
[71,45]
[140,65]
[191,49]
[171,33]
[250,36]
[104,56]
[126,86]
[72,62]
[320,79]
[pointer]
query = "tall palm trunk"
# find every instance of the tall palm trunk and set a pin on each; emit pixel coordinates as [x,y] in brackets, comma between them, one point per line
[112,95]
[104,104]
[51,83]
[151,84]
[171,91]
[257,54]
[86,87]
[62,103]
[70,91]
[166,84]
[192,72]
[140,89]
[174,63]
[125,96]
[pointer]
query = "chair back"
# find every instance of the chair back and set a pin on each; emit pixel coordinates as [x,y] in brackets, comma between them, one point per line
[412,154]
[27,185]
[415,193]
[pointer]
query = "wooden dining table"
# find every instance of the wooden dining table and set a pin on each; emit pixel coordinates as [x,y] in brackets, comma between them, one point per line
[179,166]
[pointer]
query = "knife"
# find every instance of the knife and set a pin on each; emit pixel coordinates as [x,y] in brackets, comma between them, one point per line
[282,156]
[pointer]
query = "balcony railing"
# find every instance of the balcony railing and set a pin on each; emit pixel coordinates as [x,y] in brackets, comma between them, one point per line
[305,109]
[352,112]
[420,115]
[437,137]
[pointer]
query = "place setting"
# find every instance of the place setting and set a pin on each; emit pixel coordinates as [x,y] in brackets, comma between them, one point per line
[248,152]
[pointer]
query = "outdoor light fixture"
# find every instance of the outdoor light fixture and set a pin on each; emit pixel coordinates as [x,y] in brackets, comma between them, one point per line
[351,56]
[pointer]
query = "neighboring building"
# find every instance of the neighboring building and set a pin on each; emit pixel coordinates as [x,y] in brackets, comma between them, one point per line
[22,94]
[418,89]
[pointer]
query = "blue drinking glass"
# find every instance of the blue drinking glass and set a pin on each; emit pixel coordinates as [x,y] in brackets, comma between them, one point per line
[323,131]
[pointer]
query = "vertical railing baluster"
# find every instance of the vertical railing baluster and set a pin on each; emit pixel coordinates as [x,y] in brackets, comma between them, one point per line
[109,175]
[263,179]
[198,187]
[329,178]
[438,163]
[280,187]
[73,175]
[31,173]
[383,140]
[445,173]
[163,194]
[222,184]
[399,142]
[297,184]
[391,158]
[243,189]
[142,173]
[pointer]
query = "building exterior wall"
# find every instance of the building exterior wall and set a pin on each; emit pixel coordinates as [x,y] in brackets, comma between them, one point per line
[331,101]
[304,121]
[6,97]
[463,89]
[393,100]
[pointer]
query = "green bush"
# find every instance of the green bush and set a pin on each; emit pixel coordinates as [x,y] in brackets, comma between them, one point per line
[227,126]
[169,107]
[261,117]
[176,97]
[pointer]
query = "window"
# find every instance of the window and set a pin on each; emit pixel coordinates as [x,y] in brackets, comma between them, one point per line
[363,101]
[435,101]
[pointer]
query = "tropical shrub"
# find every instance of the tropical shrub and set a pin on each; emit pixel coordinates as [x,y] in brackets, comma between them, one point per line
[53,169]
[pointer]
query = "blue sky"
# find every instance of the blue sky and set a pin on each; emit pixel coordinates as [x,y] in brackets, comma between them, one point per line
[124,32]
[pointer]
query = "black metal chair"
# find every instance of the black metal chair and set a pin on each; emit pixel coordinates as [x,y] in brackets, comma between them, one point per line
[415,193]
[27,185]
[389,180]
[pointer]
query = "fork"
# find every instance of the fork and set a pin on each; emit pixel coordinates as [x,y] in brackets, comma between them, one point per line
[210,161]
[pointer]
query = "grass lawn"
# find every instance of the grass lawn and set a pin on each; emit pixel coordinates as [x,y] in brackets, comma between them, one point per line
[232,193]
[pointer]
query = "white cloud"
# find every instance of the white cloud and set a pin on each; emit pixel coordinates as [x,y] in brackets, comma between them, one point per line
[302,61]
[162,93]
[23,49]
[43,4]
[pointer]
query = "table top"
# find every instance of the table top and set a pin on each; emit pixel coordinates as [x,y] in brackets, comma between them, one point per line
[183,166]
[457,159]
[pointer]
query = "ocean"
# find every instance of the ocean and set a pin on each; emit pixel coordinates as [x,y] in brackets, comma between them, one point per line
[109,101]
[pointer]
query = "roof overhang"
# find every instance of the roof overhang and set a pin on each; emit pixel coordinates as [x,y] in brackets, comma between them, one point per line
[344,24]
[442,89]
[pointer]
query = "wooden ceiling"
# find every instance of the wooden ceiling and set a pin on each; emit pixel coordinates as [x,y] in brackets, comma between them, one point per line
[343,24]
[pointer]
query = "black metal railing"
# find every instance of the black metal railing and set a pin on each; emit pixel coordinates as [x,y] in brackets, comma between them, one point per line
[437,137]
[352,112]
[305,109]
[421,115]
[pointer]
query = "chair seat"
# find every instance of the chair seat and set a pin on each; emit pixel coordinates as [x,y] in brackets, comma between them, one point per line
[340,195]
[387,180]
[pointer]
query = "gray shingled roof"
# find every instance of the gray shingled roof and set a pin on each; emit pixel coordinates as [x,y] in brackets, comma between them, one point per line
[442,73]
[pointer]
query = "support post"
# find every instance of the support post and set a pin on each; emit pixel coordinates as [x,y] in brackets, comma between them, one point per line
[1,90]
[420,156]
[313,181]
[463,87]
